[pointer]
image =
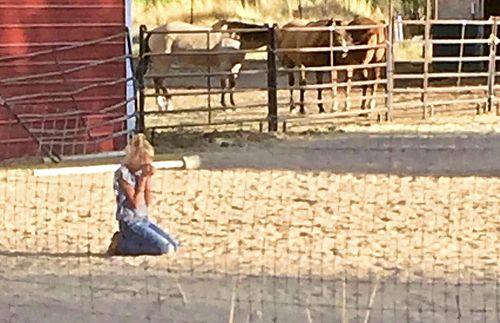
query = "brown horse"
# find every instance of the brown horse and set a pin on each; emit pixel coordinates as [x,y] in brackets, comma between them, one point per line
[172,38]
[373,35]
[296,39]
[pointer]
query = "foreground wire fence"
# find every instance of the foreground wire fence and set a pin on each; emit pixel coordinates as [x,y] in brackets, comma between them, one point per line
[381,228]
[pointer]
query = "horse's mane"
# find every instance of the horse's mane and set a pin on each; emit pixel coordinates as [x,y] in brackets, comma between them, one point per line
[236,24]
[362,36]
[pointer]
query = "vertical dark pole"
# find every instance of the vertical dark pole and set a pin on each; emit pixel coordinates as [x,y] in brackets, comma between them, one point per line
[192,12]
[390,63]
[141,124]
[272,95]
[209,82]
[492,66]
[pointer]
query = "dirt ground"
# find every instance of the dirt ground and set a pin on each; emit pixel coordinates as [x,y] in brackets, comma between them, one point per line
[194,111]
[292,227]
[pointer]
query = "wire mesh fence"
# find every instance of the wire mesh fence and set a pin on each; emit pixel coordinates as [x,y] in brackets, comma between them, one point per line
[69,99]
[360,227]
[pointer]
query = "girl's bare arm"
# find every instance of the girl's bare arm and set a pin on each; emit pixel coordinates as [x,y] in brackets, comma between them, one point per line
[148,196]
[135,196]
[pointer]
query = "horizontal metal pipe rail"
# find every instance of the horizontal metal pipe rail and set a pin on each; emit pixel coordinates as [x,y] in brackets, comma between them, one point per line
[71,46]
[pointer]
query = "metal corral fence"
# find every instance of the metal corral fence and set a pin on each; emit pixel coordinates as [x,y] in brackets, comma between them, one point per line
[455,76]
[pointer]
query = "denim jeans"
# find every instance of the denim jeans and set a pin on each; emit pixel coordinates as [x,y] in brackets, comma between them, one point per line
[143,237]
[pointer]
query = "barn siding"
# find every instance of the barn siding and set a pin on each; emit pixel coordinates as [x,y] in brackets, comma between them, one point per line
[30,26]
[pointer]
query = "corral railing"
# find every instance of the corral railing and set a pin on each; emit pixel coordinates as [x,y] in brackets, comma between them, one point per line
[422,73]
[197,93]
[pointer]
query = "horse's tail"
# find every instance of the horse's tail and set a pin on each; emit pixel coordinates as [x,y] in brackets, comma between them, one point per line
[143,64]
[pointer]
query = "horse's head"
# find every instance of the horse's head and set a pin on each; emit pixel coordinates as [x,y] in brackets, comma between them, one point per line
[345,41]
[251,35]
[340,36]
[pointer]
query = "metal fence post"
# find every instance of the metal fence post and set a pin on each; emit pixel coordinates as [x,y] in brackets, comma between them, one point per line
[389,73]
[141,124]
[272,93]
[133,70]
[492,66]
[427,62]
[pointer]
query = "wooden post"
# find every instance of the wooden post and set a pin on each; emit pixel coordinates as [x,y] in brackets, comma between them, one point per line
[427,51]
[272,92]
[390,63]
[141,124]
[492,65]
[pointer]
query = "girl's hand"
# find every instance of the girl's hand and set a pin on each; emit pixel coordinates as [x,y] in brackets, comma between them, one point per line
[148,170]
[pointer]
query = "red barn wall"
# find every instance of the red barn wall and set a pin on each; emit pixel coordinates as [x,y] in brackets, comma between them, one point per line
[30,26]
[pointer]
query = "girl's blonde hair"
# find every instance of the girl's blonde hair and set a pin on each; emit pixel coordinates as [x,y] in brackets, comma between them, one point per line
[138,148]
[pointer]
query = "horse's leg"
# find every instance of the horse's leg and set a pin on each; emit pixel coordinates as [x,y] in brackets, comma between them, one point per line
[365,74]
[223,90]
[376,77]
[348,103]
[168,98]
[319,81]
[160,99]
[334,80]
[232,85]
[291,83]
[231,81]
[302,83]
[163,97]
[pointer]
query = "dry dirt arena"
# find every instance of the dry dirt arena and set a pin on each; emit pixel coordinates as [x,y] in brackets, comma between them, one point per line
[382,223]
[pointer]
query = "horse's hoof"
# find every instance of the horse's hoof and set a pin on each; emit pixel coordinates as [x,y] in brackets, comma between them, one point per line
[162,103]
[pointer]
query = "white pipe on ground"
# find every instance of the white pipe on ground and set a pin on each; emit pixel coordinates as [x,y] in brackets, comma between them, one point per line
[187,162]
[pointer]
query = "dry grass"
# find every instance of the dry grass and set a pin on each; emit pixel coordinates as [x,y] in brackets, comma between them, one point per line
[409,50]
[206,11]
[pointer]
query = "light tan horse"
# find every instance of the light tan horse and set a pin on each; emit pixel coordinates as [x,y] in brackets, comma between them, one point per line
[172,38]
[297,39]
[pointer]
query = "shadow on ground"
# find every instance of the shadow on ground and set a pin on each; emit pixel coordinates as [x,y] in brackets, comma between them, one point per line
[442,154]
